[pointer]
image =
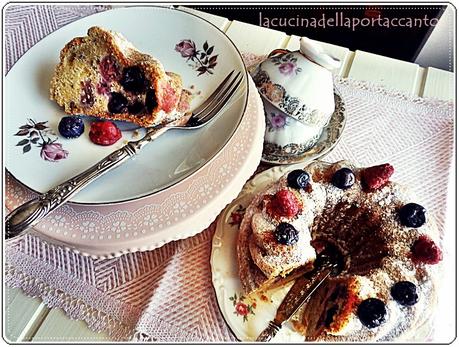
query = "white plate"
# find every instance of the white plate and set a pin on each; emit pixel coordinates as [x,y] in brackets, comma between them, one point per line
[180,211]
[170,159]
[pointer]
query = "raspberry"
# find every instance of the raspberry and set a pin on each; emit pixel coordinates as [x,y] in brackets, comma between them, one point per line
[376,176]
[109,68]
[284,204]
[104,133]
[424,250]
[103,87]
[86,94]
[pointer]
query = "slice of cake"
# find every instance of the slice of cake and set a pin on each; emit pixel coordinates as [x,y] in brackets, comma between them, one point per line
[274,240]
[104,75]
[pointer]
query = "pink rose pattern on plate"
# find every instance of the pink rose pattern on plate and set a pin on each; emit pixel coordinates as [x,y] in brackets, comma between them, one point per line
[287,64]
[40,135]
[241,308]
[276,121]
[201,60]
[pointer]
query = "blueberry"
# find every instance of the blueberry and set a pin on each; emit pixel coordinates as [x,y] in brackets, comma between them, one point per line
[286,234]
[404,293]
[343,178]
[412,215]
[71,127]
[150,100]
[133,79]
[136,107]
[298,179]
[117,103]
[372,312]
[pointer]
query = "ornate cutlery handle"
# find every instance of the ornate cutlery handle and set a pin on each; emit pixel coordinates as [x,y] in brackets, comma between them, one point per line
[33,211]
[269,333]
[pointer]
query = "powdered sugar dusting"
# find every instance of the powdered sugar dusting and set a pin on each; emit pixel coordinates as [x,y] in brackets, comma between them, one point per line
[395,266]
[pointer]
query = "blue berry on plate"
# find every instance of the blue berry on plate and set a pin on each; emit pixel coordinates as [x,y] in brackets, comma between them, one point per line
[412,215]
[404,293]
[372,312]
[298,179]
[343,178]
[286,234]
[71,127]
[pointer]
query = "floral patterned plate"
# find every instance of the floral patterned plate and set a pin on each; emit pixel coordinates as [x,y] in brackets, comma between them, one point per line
[248,316]
[183,210]
[40,158]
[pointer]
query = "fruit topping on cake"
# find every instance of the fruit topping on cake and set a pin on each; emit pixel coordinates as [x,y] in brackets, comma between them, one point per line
[405,293]
[372,312]
[412,215]
[376,176]
[284,203]
[298,179]
[286,234]
[343,178]
[424,250]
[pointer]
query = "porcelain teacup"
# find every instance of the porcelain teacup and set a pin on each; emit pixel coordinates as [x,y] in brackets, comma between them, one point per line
[297,92]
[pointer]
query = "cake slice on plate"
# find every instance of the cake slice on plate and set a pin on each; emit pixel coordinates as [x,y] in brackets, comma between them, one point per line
[103,75]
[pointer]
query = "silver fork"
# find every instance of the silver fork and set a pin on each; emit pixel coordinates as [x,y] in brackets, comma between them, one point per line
[34,210]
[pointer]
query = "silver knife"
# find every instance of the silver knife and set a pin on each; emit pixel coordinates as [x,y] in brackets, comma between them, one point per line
[299,294]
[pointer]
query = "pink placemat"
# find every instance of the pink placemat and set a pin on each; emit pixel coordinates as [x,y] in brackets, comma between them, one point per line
[166,294]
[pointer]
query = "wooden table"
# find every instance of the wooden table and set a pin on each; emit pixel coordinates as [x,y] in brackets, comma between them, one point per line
[29,319]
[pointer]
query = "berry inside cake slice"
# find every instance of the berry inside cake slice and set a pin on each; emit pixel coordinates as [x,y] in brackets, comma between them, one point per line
[103,75]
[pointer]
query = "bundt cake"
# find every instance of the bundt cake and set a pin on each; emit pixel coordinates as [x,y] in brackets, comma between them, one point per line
[386,241]
[103,75]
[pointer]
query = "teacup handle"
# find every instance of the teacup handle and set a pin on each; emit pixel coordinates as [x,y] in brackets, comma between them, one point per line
[278,51]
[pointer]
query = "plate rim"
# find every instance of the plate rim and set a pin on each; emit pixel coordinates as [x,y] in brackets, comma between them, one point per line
[143,196]
[250,187]
[101,250]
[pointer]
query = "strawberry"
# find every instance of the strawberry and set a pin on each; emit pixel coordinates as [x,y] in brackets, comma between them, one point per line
[424,250]
[376,176]
[284,204]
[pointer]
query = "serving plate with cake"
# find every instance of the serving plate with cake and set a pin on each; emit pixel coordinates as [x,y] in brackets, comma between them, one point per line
[386,243]
[144,65]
